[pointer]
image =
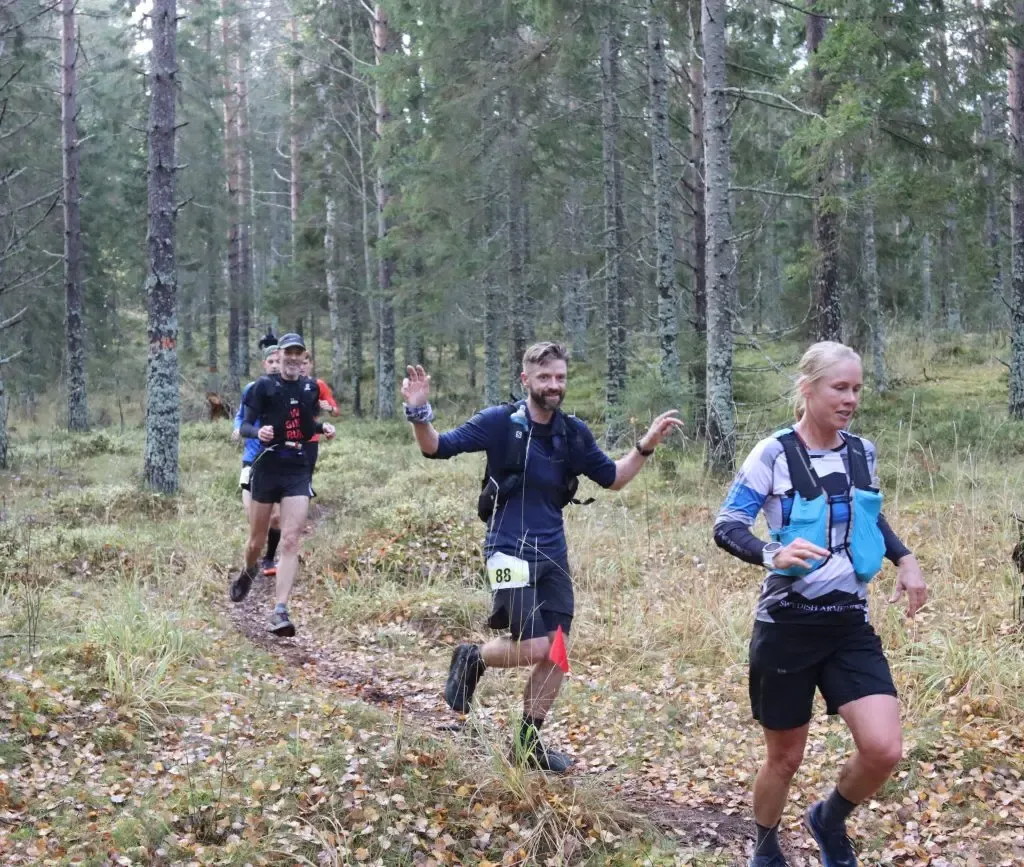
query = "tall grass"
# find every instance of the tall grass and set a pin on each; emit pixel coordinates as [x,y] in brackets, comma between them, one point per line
[145,645]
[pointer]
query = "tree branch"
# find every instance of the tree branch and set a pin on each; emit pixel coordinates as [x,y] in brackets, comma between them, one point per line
[782,193]
[13,320]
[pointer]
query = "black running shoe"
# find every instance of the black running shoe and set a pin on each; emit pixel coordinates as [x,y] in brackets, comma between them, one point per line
[281,625]
[243,581]
[769,861]
[836,848]
[463,674]
[536,755]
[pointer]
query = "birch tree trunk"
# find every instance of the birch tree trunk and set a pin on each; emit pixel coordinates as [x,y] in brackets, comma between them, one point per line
[941,104]
[615,330]
[354,299]
[5,440]
[953,294]
[827,297]
[721,425]
[665,243]
[876,325]
[293,150]
[990,139]
[927,303]
[211,314]
[234,274]
[244,197]
[516,244]
[493,304]
[210,262]
[78,412]
[576,289]
[698,231]
[385,266]
[162,404]
[1016,100]
[355,346]
[331,264]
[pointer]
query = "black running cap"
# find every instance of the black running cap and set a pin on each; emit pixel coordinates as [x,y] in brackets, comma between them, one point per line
[289,340]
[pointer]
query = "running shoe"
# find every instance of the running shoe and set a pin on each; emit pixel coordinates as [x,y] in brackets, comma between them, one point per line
[281,625]
[836,848]
[463,674]
[240,586]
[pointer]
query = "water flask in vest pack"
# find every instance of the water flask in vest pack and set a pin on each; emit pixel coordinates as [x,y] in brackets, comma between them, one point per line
[810,515]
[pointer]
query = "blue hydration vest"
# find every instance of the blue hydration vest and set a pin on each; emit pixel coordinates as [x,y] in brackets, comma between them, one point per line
[809,517]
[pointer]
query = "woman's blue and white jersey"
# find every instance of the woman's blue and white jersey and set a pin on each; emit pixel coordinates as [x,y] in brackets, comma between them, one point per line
[829,595]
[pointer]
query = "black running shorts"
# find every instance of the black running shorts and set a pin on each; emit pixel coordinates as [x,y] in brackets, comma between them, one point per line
[788,662]
[272,481]
[534,611]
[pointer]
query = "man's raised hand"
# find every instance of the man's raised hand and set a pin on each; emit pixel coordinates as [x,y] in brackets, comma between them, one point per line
[416,386]
[660,428]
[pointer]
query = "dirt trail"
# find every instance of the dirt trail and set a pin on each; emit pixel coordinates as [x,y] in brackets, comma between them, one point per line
[362,675]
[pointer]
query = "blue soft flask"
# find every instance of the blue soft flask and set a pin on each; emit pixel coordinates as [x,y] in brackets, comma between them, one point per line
[808,520]
[867,547]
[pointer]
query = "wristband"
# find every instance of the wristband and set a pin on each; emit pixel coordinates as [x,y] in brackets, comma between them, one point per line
[419,414]
[646,453]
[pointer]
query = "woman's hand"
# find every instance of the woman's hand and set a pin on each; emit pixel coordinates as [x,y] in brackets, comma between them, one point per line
[910,580]
[799,552]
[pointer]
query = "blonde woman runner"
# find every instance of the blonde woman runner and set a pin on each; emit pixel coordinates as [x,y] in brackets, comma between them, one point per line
[817,486]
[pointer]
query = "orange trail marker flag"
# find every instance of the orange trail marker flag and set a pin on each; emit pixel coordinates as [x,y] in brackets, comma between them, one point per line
[558,655]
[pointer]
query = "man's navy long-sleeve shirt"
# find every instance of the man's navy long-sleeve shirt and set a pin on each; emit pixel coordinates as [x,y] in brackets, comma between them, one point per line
[529,524]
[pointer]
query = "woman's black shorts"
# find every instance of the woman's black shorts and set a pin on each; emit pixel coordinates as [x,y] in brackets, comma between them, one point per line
[788,662]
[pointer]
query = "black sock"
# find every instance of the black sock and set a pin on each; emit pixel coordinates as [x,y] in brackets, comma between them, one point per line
[767,841]
[273,537]
[835,810]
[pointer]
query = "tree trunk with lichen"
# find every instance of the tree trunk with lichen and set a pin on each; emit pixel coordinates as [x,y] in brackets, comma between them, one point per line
[78,412]
[162,402]
[1016,99]
[661,179]
[721,266]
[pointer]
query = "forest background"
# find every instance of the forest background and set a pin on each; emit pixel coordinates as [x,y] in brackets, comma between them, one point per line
[687,194]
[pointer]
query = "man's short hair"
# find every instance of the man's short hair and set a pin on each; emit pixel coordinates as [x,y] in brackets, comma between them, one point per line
[542,352]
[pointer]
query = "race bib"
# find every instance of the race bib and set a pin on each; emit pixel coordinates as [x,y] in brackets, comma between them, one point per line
[243,479]
[507,573]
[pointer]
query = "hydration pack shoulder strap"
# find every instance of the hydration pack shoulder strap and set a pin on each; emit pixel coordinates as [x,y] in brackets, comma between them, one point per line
[860,475]
[572,480]
[802,477]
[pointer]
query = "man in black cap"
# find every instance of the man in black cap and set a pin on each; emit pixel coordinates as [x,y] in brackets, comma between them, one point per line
[287,405]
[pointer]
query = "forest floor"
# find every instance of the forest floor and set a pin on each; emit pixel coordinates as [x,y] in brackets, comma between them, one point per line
[146,720]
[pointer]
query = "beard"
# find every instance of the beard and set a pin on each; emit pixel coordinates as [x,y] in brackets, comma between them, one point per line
[547,400]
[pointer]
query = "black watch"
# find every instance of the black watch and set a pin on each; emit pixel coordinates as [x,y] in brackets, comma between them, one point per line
[646,453]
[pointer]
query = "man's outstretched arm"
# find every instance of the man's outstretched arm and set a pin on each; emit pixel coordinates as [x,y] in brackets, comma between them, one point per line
[630,464]
[471,436]
[416,394]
